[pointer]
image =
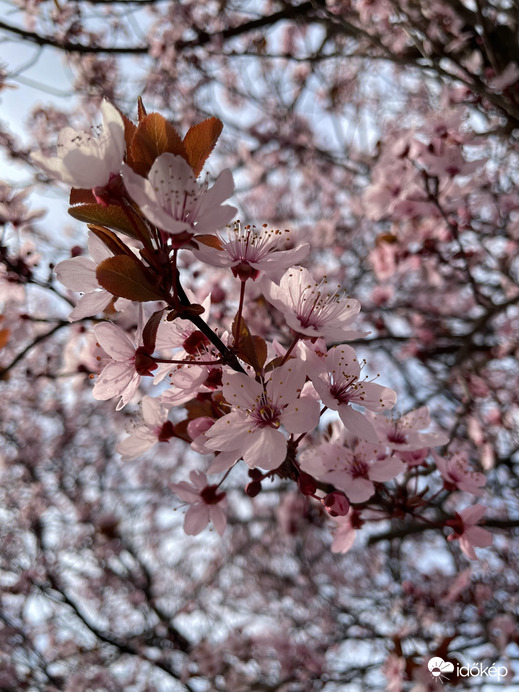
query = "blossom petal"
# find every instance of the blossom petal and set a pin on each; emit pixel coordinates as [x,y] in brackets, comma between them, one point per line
[301,416]
[113,380]
[358,424]
[196,519]
[77,274]
[386,469]
[218,518]
[90,304]
[140,441]
[228,433]
[266,448]
[114,341]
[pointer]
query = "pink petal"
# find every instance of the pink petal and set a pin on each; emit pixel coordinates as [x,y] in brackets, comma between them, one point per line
[152,412]
[229,433]
[136,444]
[241,390]
[467,548]
[357,489]
[471,515]
[343,538]
[286,382]
[114,341]
[302,416]
[265,448]
[358,424]
[479,537]
[97,249]
[386,469]
[218,518]
[129,391]
[224,461]
[77,274]
[196,519]
[185,491]
[113,380]
[90,304]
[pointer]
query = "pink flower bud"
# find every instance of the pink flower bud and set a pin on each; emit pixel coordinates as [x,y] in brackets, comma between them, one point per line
[336,504]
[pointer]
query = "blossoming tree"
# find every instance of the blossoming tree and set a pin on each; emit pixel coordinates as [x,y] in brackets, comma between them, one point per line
[337,400]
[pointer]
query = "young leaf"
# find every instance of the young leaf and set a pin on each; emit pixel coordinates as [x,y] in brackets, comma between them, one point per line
[209,240]
[149,333]
[78,196]
[130,128]
[200,141]
[154,136]
[251,349]
[112,216]
[112,242]
[141,111]
[125,277]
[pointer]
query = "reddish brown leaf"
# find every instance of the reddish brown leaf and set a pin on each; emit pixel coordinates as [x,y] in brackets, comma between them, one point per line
[130,128]
[141,111]
[274,363]
[112,241]
[4,337]
[210,240]
[200,142]
[112,216]
[251,349]
[154,136]
[81,197]
[125,277]
[149,333]
[260,349]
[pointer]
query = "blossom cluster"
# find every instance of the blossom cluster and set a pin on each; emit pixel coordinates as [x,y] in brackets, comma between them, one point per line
[256,398]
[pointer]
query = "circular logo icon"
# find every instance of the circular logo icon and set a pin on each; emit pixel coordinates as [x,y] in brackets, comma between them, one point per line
[439,667]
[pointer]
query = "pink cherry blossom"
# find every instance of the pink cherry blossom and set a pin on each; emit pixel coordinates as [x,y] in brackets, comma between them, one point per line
[339,385]
[122,374]
[442,158]
[467,532]
[79,274]
[186,381]
[457,475]
[259,409]
[313,309]
[403,434]
[172,199]
[345,531]
[85,160]
[249,251]
[154,428]
[352,471]
[205,504]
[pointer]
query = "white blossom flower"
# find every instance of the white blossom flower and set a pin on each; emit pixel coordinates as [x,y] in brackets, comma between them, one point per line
[249,250]
[85,160]
[79,274]
[128,362]
[311,308]
[258,411]
[206,504]
[339,385]
[172,199]
[154,428]
[467,531]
